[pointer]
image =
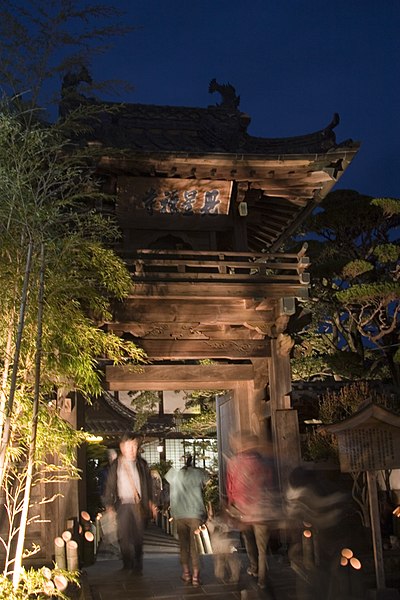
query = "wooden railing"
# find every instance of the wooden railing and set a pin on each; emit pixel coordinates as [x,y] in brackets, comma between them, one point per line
[228,267]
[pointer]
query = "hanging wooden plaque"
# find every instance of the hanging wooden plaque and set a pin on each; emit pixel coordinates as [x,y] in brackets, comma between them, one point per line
[369,440]
[155,195]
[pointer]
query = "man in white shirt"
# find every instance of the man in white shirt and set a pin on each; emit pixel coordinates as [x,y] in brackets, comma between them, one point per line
[129,493]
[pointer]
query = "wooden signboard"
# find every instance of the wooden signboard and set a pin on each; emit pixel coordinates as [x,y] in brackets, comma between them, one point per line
[369,447]
[156,195]
[369,440]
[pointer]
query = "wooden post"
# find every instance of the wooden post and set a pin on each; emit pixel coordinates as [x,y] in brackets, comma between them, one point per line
[376,529]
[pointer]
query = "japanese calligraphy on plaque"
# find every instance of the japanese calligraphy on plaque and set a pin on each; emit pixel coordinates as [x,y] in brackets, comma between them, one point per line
[369,448]
[171,196]
[369,440]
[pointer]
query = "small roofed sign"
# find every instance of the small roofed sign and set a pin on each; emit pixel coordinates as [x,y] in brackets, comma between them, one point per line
[369,440]
[156,195]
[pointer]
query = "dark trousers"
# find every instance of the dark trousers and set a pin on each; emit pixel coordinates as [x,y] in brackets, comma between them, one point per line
[130,535]
[256,538]
[189,553]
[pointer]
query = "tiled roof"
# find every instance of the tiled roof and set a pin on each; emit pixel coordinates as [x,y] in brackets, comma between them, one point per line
[151,128]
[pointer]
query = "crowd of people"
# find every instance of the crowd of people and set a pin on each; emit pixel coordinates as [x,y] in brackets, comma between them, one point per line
[249,510]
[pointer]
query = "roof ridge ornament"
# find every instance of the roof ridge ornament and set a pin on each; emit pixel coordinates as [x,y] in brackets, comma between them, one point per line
[230,101]
[334,123]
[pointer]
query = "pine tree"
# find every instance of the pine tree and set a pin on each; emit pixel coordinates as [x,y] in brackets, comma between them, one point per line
[355,292]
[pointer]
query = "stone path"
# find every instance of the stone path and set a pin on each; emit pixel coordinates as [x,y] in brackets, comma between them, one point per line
[161,577]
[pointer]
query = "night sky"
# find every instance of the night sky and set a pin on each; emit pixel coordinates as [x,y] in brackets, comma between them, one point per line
[293,62]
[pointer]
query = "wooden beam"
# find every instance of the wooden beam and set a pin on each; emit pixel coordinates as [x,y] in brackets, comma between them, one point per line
[151,310]
[186,290]
[167,377]
[179,223]
[191,331]
[196,349]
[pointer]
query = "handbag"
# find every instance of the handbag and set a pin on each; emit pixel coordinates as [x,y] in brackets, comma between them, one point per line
[108,524]
[135,493]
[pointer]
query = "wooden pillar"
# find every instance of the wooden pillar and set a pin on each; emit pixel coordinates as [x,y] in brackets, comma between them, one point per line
[68,506]
[243,400]
[259,397]
[284,420]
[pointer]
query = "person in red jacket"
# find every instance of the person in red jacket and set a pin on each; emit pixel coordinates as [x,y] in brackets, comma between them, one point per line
[250,485]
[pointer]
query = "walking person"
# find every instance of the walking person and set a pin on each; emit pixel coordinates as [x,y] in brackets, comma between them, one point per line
[129,493]
[189,512]
[251,498]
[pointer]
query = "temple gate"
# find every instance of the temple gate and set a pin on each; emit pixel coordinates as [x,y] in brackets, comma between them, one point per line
[204,209]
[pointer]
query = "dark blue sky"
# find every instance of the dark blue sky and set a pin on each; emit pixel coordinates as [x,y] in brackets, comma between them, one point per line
[293,63]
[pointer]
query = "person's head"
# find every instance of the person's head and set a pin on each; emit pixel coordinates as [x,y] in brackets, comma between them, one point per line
[188,458]
[244,441]
[129,445]
[112,454]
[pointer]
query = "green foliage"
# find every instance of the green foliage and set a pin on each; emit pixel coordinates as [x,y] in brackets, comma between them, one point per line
[39,584]
[336,406]
[317,447]
[144,404]
[211,492]
[387,253]
[367,292]
[389,206]
[46,190]
[56,442]
[347,365]
[355,295]
[40,41]
[355,268]
[203,398]
[162,467]
[200,425]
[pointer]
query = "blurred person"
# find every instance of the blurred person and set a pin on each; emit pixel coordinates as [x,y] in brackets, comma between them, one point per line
[224,544]
[324,505]
[251,496]
[157,486]
[112,454]
[188,511]
[129,493]
[156,482]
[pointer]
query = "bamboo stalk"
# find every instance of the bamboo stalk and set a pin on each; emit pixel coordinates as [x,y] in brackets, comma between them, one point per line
[34,423]
[199,543]
[9,406]
[205,538]
[59,553]
[88,548]
[72,556]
